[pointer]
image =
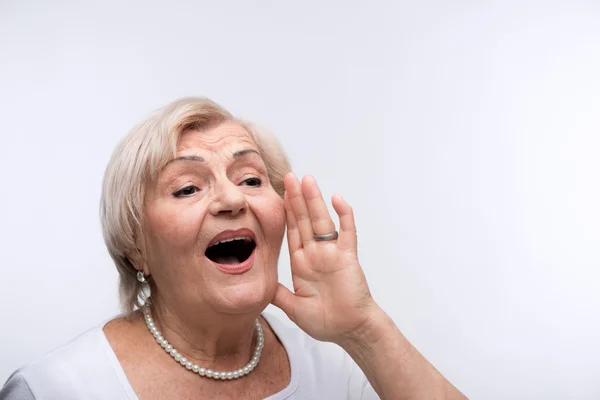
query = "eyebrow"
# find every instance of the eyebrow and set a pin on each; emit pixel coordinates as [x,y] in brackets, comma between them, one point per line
[237,154]
[244,152]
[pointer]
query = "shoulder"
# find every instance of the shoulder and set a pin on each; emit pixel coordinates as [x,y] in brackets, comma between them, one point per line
[65,373]
[16,388]
[322,368]
[311,350]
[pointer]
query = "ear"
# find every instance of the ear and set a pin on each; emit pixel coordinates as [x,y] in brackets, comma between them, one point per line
[138,262]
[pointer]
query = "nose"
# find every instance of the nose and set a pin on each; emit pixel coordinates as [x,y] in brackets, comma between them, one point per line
[228,199]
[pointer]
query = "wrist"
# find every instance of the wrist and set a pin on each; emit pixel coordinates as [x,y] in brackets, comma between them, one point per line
[378,327]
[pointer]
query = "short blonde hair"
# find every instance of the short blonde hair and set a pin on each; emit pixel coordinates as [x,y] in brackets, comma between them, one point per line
[136,162]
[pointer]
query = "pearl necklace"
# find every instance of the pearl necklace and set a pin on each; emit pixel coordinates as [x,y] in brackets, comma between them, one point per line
[190,366]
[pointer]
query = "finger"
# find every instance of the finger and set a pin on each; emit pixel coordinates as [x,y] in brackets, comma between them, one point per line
[293,235]
[319,214]
[285,300]
[347,239]
[299,208]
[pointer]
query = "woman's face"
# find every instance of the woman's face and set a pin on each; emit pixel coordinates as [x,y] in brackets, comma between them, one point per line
[214,225]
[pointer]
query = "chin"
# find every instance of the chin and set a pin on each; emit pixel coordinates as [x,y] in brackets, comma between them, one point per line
[245,298]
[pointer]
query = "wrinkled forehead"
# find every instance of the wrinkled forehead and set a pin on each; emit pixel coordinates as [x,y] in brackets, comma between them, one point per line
[226,138]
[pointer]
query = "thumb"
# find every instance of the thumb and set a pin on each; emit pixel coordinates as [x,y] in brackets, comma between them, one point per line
[286,301]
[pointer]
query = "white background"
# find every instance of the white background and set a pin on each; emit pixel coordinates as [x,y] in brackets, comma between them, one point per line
[465,134]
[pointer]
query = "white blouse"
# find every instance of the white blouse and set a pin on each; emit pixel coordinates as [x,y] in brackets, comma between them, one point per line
[87,368]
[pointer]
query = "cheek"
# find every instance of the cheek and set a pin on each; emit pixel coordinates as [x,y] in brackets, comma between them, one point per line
[278,222]
[173,228]
[270,213]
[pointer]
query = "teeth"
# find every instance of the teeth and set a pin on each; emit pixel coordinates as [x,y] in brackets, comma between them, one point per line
[245,238]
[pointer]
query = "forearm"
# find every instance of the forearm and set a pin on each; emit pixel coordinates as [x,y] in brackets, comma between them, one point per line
[394,367]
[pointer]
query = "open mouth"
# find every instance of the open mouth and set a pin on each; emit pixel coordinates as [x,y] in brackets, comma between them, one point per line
[231,251]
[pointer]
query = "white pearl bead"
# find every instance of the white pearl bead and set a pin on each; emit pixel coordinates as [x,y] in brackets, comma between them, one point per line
[196,368]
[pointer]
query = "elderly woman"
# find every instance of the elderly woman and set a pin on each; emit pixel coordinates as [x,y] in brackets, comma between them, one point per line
[194,207]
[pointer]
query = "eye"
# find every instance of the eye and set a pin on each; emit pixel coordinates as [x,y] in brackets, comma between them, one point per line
[252,182]
[186,191]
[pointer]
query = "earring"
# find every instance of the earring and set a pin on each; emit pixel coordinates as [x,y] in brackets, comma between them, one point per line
[143,296]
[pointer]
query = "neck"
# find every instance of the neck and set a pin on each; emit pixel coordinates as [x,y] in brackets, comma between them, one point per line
[210,339]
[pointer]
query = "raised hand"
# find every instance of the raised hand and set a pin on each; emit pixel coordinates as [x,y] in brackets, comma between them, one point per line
[331,298]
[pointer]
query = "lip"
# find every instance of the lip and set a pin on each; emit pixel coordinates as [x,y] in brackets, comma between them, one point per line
[235,269]
[231,234]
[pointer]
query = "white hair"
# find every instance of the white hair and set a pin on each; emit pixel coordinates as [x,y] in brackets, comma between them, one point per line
[136,162]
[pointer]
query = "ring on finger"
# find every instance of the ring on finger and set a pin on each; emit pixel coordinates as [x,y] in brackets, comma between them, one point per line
[328,236]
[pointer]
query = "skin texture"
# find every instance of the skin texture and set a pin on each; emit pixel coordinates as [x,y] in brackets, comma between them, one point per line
[331,300]
[220,193]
